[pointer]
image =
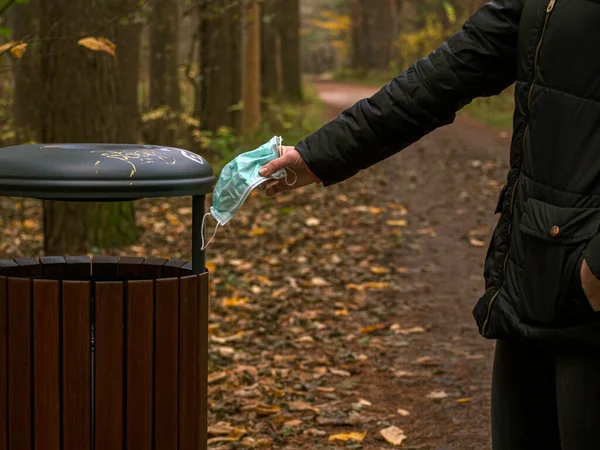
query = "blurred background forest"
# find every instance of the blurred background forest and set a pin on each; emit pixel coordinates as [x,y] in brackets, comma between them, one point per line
[211,76]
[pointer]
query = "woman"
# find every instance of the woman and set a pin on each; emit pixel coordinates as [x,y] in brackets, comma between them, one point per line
[542,268]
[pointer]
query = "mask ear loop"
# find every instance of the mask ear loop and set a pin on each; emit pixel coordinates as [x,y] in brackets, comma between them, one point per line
[204,230]
[280,149]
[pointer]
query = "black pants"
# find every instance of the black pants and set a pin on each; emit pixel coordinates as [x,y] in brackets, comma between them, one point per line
[545,400]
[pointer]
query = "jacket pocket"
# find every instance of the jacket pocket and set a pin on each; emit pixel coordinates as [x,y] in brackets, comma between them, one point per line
[553,239]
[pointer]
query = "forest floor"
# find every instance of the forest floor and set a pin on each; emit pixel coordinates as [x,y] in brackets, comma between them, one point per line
[347,309]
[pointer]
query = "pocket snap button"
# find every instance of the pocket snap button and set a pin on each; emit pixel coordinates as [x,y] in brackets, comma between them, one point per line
[554,231]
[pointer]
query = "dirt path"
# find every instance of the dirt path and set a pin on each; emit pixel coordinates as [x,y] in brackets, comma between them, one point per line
[448,182]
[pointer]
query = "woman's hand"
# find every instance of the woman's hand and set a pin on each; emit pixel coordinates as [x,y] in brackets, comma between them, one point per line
[291,160]
[591,286]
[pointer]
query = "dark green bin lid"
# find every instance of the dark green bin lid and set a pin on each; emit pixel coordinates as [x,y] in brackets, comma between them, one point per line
[102,172]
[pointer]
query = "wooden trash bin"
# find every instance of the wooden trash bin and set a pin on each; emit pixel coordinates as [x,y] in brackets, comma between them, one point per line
[108,353]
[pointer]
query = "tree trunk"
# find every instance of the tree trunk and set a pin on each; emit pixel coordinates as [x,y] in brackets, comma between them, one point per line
[24,22]
[219,27]
[289,27]
[272,82]
[251,116]
[127,39]
[80,105]
[372,32]
[164,72]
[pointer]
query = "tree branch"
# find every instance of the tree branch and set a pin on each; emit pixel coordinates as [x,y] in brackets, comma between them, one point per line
[6,6]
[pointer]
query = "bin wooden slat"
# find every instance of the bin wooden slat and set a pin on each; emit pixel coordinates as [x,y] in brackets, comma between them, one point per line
[139,354]
[152,267]
[19,364]
[30,267]
[76,383]
[203,311]
[108,366]
[188,363]
[46,384]
[105,266]
[3,374]
[166,364]
[172,268]
[130,266]
[9,268]
[53,266]
[78,266]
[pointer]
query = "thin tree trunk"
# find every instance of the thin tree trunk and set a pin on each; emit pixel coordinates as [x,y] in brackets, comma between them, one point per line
[24,21]
[164,73]
[289,28]
[128,42]
[270,64]
[251,83]
[79,106]
[220,64]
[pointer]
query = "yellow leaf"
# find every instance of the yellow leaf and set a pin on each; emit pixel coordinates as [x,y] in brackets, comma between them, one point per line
[397,223]
[354,436]
[341,312]
[234,301]
[6,47]
[380,270]
[375,210]
[29,224]
[463,400]
[257,231]
[211,266]
[18,50]
[393,435]
[371,328]
[369,285]
[98,44]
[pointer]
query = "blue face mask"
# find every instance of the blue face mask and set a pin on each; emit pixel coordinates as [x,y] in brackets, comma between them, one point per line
[238,179]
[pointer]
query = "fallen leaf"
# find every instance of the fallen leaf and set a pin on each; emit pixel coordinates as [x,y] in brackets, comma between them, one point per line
[380,270]
[263,409]
[397,223]
[403,412]
[371,328]
[211,267]
[312,222]
[393,435]
[437,395]
[363,402]
[303,406]
[476,242]
[318,281]
[339,372]
[326,389]
[292,423]
[463,400]
[341,312]
[369,285]
[354,436]
[234,301]
[257,231]
[215,377]
[29,224]
[98,44]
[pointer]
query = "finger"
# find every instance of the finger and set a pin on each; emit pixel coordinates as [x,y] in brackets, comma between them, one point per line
[274,166]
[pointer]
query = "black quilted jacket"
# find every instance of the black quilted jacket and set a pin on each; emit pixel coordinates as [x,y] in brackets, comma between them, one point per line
[550,206]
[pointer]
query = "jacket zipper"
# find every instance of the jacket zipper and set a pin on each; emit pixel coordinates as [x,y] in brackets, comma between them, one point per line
[549,9]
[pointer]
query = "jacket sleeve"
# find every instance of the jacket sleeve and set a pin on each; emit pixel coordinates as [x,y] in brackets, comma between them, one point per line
[478,61]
